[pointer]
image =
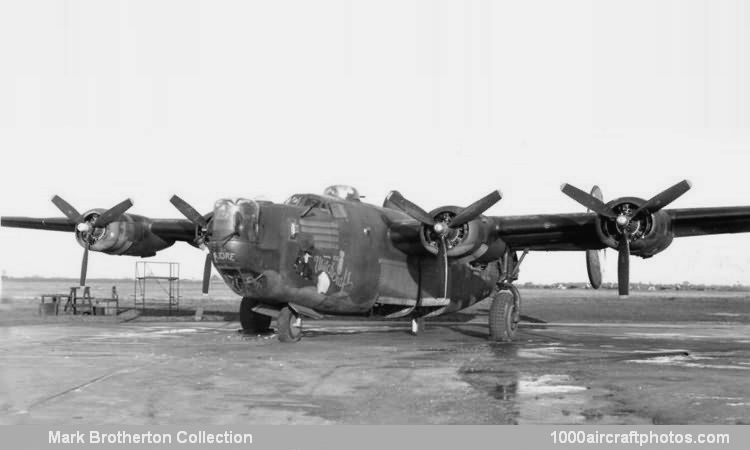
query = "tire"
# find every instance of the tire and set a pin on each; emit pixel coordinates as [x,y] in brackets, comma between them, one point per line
[289,324]
[251,321]
[503,317]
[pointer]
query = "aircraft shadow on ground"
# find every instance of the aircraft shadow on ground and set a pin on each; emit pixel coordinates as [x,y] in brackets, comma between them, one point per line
[165,312]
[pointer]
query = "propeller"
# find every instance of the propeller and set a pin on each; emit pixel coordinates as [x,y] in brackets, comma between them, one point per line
[188,211]
[443,227]
[588,200]
[665,197]
[84,265]
[623,220]
[206,273]
[414,211]
[201,222]
[623,264]
[86,229]
[474,210]
[594,257]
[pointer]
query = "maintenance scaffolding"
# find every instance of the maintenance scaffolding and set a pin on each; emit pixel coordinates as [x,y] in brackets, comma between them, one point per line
[166,276]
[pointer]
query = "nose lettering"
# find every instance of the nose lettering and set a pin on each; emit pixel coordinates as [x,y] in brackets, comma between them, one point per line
[225,256]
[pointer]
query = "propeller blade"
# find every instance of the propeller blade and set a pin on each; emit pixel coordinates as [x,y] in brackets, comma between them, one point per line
[474,210]
[414,211]
[113,213]
[596,192]
[664,198]
[84,265]
[207,273]
[443,256]
[188,211]
[67,209]
[587,200]
[623,265]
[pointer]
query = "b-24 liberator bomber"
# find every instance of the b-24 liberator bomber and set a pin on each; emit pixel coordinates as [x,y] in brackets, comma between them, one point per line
[333,254]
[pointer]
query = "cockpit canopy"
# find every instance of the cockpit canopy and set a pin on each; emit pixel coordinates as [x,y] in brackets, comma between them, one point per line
[343,192]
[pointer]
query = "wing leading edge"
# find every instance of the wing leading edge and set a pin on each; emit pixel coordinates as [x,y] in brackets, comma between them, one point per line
[555,232]
[167,229]
[49,223]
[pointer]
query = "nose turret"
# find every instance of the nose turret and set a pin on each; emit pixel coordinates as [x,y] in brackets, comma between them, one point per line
[235,240]
[234,219]
[233,231]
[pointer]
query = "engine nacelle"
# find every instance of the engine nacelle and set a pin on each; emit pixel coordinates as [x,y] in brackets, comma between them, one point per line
[649,233]
[468,239]
[129,235]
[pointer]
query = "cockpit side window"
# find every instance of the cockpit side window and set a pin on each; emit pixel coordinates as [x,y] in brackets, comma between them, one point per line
[338,211]
[294,200]
[311,205]
[320,209]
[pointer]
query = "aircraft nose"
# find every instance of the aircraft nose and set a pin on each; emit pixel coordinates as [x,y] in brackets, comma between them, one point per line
[234,240]
[231,253]
[239,255]
[234,220]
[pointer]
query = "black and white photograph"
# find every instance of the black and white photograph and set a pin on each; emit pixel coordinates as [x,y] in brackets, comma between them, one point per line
[351,212]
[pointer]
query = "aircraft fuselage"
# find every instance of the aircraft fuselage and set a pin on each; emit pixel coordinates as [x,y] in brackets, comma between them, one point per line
[331,255]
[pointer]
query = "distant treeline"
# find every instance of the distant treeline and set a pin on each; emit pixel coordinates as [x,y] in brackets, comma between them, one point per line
[684,286]
[579,285]
[74,281]
[37,278]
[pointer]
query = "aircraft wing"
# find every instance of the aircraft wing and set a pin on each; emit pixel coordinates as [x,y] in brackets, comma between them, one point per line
[174,229]
[578,231]
[49,223]
[167,229]
[549,231]
[704,221]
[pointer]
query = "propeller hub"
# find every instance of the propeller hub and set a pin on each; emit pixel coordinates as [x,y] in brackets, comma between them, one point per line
[83,227]
[440,228]
[623,220]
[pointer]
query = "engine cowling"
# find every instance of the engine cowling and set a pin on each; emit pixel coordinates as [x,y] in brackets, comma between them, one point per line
[649,233]
[129,235]
[630,224]
[462,241]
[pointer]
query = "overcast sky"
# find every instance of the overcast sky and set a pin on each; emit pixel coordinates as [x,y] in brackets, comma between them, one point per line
[443,100]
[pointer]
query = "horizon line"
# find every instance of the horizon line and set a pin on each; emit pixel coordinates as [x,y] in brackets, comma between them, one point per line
[609,285]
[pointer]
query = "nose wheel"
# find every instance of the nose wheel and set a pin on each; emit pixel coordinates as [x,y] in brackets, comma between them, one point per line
[289,325]
[251,321]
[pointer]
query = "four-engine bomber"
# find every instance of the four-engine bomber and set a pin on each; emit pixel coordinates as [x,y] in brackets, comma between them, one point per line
[315,255]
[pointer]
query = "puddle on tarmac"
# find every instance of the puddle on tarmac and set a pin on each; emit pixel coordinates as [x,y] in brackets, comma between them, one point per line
[535,386]
[175,331]
[557,398]
[693,361]
[548,384]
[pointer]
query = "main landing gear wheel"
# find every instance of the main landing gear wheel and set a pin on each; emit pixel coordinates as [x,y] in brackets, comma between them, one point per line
[504,317]
[290,325]
[251,321]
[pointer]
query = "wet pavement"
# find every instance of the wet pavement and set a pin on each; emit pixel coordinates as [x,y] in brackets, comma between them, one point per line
[375,373]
